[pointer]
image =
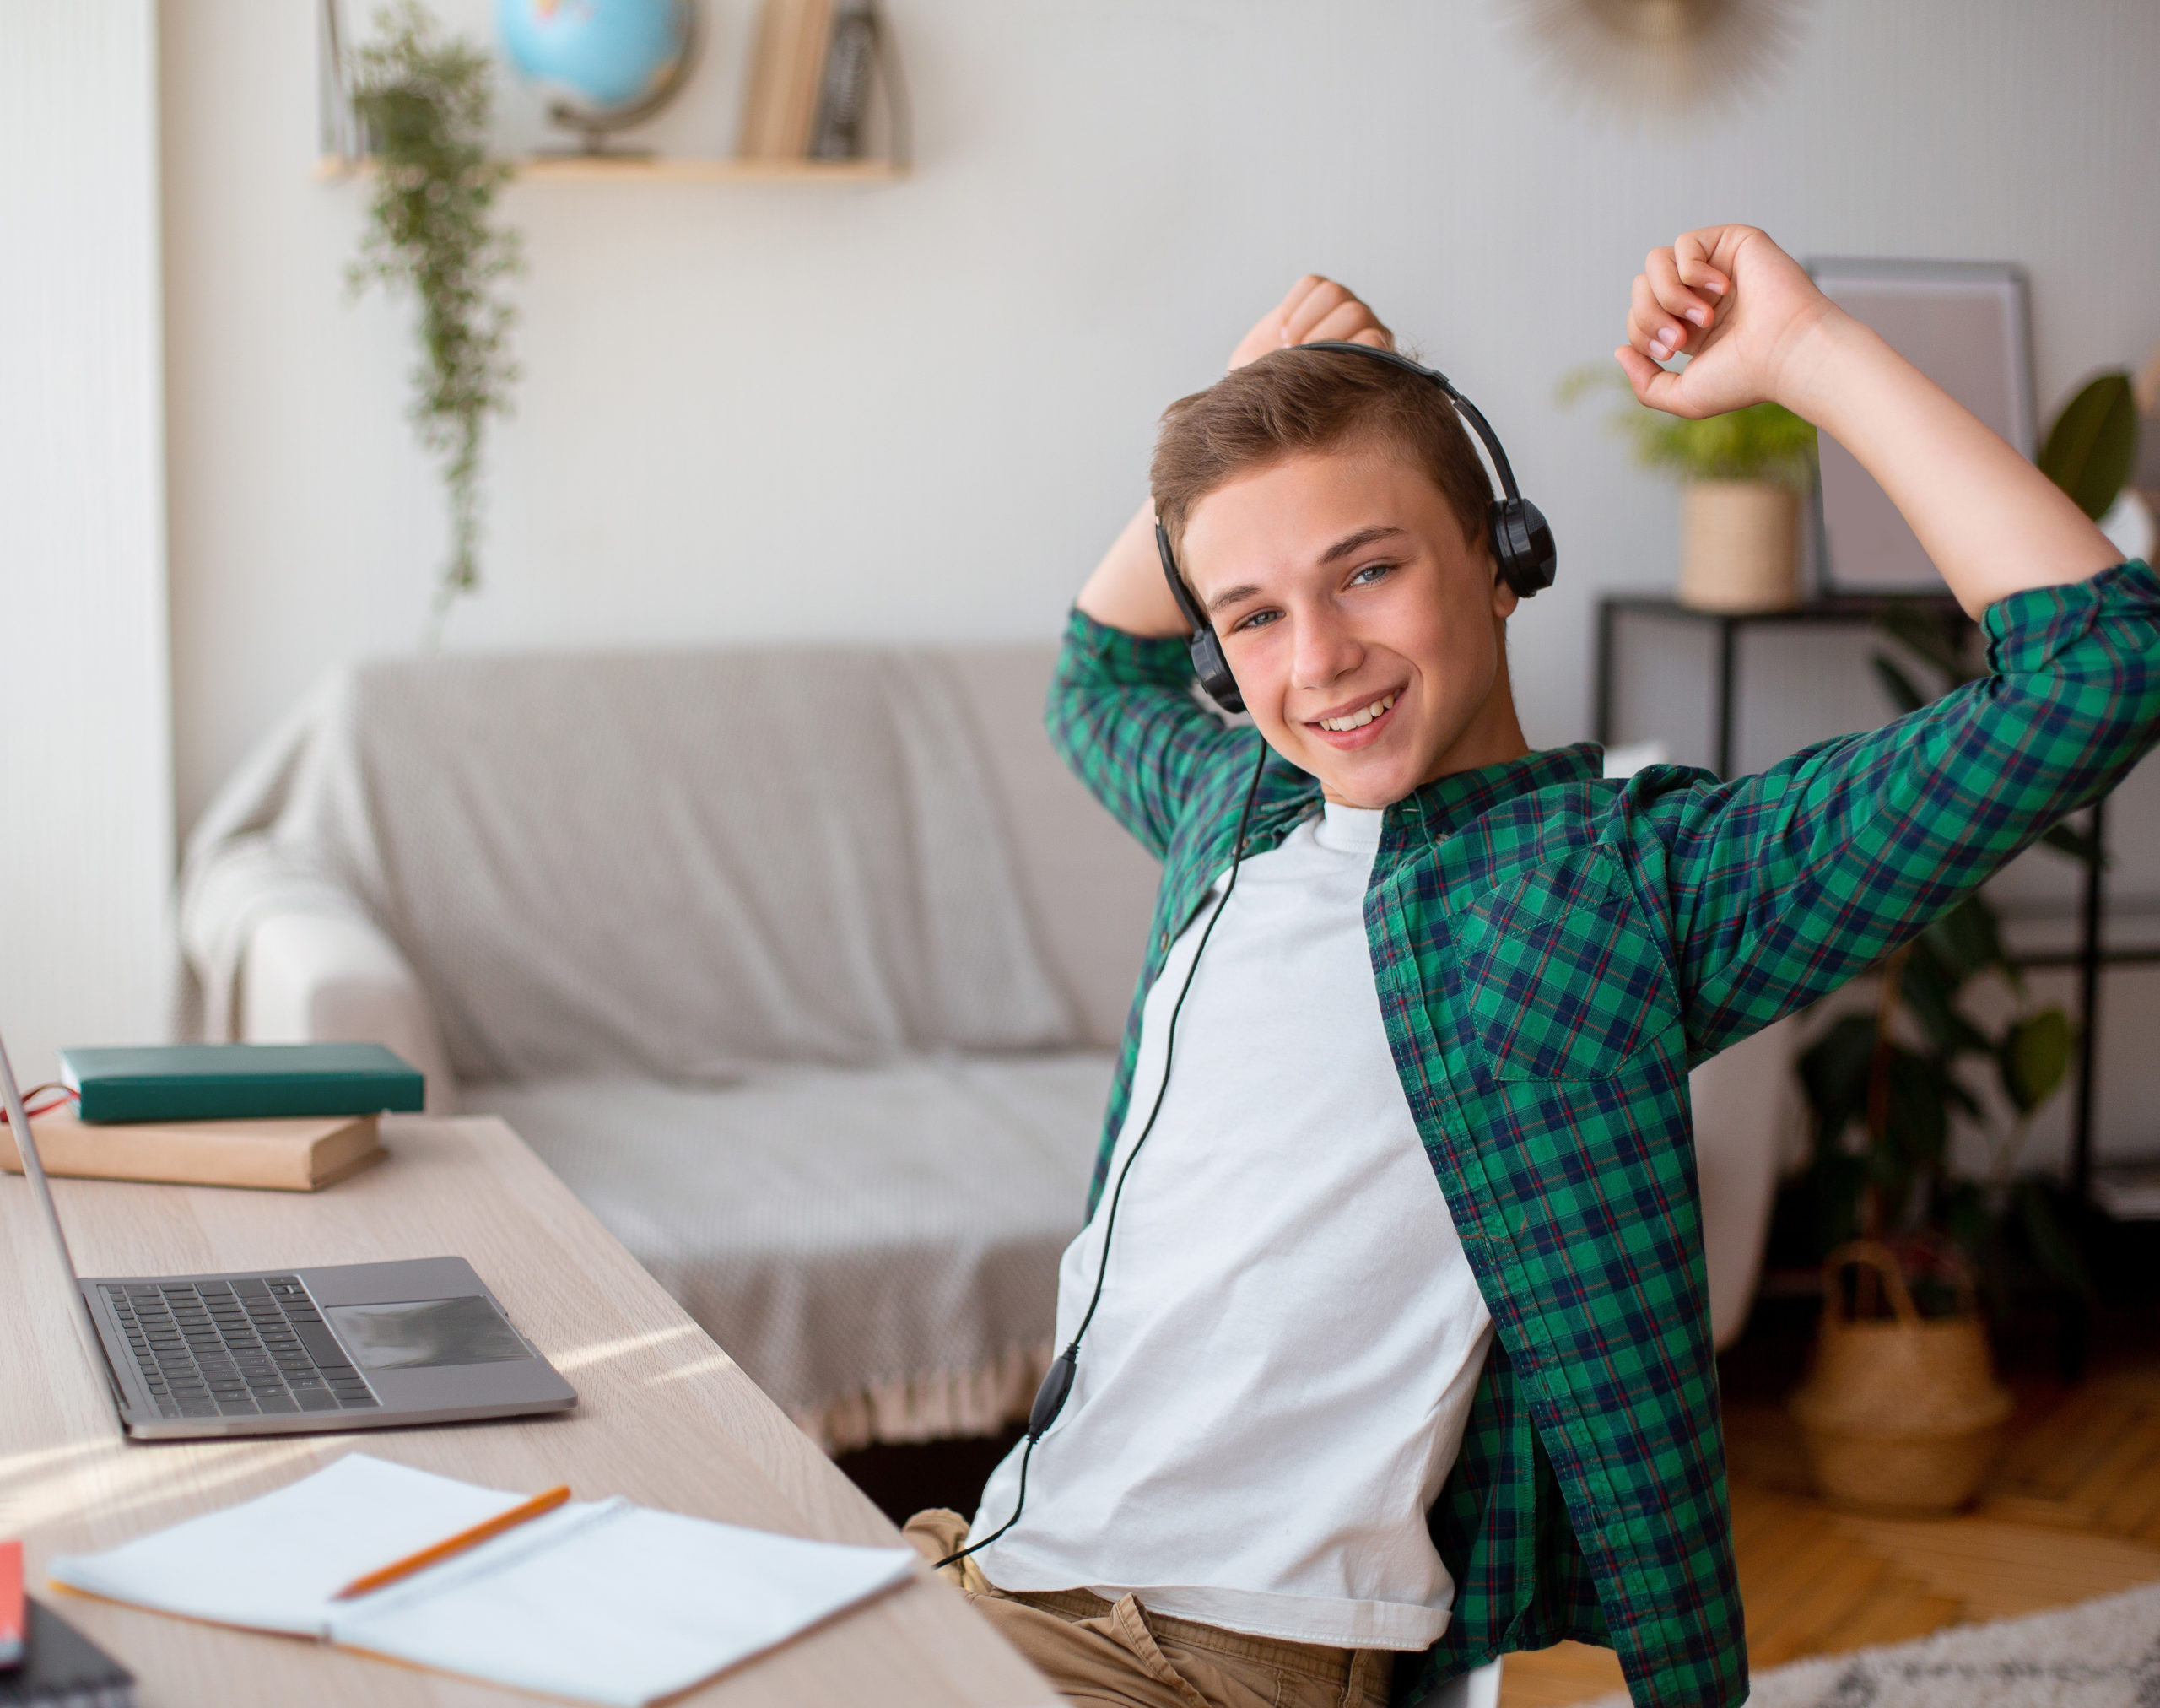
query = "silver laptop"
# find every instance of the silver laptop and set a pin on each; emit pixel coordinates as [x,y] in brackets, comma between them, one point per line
[278,1352]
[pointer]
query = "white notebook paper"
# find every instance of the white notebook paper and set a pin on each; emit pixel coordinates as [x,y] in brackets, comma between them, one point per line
[602,1601]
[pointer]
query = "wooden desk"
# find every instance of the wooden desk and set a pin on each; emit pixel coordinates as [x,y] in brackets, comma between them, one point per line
[665,1418]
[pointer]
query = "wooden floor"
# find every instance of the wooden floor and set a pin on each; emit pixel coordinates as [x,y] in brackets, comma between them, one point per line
[2071,1511]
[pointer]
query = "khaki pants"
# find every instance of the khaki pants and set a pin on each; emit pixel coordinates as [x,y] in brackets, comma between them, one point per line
[1118,1655]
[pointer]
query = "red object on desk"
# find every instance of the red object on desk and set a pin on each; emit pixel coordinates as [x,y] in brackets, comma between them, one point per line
[11,1604]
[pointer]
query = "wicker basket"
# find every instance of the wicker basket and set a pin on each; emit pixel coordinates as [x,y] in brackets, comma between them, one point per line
[1905,1416]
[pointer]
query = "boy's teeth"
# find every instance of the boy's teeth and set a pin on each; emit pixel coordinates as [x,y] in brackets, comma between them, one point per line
[1359,719]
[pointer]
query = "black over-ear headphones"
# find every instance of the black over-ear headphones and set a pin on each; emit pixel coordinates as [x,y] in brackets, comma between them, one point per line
[1522,539]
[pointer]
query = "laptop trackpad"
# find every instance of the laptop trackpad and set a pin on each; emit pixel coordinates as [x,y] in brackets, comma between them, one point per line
[419,1333]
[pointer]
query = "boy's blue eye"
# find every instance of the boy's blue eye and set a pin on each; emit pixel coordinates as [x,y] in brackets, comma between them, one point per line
[1259,620]
[1369,574]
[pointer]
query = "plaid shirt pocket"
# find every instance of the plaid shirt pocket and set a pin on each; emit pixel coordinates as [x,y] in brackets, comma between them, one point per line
[1562,979]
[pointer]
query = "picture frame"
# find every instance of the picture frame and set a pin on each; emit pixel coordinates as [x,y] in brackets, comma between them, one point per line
[1967,326]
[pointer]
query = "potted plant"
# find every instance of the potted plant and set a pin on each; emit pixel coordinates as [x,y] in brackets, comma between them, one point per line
[1742,477]
[1903,1412]
[423,105]
[1864,1076]
[1883,1086]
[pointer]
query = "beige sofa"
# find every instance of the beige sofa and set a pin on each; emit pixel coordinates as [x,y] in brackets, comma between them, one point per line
[802,967]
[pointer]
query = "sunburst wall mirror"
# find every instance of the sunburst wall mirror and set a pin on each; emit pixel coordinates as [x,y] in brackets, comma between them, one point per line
[1642,58]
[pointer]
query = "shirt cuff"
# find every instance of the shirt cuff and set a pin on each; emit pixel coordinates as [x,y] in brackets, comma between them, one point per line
[2027,630]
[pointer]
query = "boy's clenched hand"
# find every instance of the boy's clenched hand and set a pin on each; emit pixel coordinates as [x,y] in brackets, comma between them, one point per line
[1740,307]
[1316,310]
[1756,330]
[1127,591]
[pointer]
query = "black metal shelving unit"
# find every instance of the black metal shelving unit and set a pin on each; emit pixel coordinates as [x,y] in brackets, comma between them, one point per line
[1854,611]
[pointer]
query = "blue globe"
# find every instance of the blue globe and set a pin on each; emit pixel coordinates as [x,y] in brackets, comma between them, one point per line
[598,58]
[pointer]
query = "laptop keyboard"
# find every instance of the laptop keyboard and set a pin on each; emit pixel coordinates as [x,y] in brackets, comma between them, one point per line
[243,1349]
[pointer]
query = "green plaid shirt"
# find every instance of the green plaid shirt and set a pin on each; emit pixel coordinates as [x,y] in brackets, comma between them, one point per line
[1553,953]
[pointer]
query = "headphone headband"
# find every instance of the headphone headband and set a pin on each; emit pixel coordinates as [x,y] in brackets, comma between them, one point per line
[1522,541]
[1469,411]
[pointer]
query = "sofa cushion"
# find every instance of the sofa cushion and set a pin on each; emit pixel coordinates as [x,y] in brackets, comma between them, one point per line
[876,1248]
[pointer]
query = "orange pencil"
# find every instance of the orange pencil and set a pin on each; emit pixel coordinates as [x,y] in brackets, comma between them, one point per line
[457,1544]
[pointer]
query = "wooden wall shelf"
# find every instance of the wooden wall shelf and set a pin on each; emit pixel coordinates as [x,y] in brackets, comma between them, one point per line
[664,169]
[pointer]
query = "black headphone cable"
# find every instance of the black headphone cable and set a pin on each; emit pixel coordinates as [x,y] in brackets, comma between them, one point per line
[1057,1382]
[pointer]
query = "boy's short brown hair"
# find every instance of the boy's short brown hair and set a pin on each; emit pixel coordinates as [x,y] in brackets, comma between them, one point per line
[1293,401]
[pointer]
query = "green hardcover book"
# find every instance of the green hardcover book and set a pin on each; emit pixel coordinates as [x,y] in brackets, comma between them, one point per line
[239,1082]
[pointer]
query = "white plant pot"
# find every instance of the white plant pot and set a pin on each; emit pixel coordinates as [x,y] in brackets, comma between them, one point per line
[1739,546]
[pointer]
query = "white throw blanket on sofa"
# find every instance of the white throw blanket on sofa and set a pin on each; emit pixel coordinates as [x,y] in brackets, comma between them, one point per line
[627,884]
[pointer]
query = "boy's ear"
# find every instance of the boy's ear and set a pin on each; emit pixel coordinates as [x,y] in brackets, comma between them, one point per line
[1505,597]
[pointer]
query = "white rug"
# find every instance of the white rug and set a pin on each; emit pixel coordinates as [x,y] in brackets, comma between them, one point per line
[2098,1654]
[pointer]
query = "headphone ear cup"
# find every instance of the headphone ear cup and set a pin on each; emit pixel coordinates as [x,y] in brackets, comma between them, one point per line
[1522,546]
[1213,670]
[1208,664]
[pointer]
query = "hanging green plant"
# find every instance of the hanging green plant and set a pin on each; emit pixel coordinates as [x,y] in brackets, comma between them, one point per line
[424,103]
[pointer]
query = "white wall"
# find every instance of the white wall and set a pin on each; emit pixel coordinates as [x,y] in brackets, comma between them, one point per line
[919,411]
[85,744]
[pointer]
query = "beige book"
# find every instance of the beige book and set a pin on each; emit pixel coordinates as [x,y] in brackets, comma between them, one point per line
[765,107]
[300,1154]
[806,79]
[758,97]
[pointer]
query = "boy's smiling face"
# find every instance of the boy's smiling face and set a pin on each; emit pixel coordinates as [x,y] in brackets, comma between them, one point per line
[1364,630]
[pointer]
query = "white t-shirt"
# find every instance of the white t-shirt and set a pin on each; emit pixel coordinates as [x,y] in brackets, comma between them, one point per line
[1277,1380]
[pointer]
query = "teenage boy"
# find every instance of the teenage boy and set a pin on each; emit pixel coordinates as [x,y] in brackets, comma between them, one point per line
[1402,1358]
